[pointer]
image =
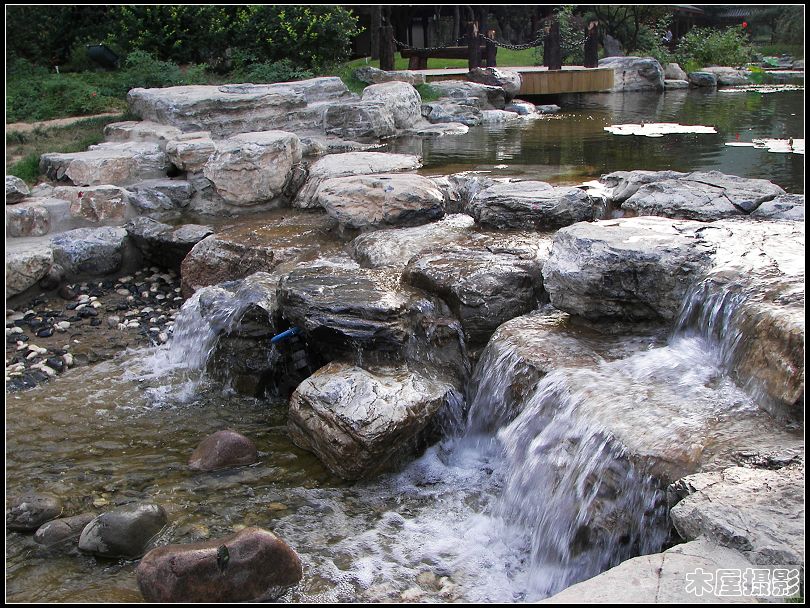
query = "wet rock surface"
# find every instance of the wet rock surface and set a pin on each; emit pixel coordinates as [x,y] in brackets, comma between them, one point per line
[754,511]
[356,419]
[123,532]
[530,204]
[223,449]
[62,531]
[256,246]
[251,565]
[31,510]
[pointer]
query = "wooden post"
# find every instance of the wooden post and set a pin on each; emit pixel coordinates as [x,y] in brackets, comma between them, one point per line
[554,60]
[492,50]
[387,48]
[592,45]
[374,31]
[473,45]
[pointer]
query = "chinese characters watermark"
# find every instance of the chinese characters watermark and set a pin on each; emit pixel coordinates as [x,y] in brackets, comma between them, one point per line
[752,582]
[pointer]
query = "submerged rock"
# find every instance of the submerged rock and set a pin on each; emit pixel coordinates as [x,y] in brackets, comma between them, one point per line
[530,205]
[123,532]
[251,565]
[754,511]
[355,420]
[31,510]
[221,450]
[59,531]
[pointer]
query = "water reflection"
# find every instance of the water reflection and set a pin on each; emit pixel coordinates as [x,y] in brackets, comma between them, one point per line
[573,146]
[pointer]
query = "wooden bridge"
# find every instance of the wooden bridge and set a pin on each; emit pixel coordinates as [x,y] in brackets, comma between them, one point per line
[539,80]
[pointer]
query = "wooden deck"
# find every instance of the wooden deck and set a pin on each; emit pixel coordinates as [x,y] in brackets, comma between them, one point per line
[537,80]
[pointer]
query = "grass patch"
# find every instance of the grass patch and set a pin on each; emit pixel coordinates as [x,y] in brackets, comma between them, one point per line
[776,50]
[506,58]
[427,92]
[23,149]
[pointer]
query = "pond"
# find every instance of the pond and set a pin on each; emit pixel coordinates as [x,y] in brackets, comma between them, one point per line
[572,146]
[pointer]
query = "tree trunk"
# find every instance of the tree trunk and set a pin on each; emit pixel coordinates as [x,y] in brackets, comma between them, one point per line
[374,33]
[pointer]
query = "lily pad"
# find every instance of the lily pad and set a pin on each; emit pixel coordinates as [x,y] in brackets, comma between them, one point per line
[657,129]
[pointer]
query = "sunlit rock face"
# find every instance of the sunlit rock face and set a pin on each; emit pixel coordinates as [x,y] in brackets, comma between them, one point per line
[635,73]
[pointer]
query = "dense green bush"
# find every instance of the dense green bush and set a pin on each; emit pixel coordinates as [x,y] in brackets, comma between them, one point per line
[704,47]
[280,71]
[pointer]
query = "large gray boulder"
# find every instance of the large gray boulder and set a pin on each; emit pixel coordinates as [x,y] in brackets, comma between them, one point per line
[634,73]
[624,184]
[255,246]
[160,195]
[757,512]
[90,251]
[484,96]
[401,99]
[372,75]
[393,247]
[16,190]
[123,532]
[26,264]
[484,285]
[635,268]
[350,163]
[357,420]
[673,71]
[191,151]
[97,204]
[226,110]
[118,164]
[705,80]
[30,218]
[460,112]
[367,202]
[250,565]
[508,80]
[253,168]
[729,77]
[144,131]
[530,205]
[361,120]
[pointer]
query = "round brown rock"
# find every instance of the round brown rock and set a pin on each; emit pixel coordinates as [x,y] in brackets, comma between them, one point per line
[29,511]
[223,449]
[252,564]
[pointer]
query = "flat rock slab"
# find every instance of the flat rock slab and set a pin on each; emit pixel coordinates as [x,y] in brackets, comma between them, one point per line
[251,565]
[94,251]
[253,168]
[758,512]
[256,246]
[530,205]
[350,163]
[704,196]
[355,420]
[463,111]
[97,204]
[660,578]
[26,263]
[367,202]
[147,131]
[483,286]
[351,307]
[393,247]
[240,108]
[117,164]
[29,511]
[123,532]
[487,97]
[372,75]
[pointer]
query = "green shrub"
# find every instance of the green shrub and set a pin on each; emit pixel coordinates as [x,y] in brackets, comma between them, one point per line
[427,92]
[279,71]
[705,46]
